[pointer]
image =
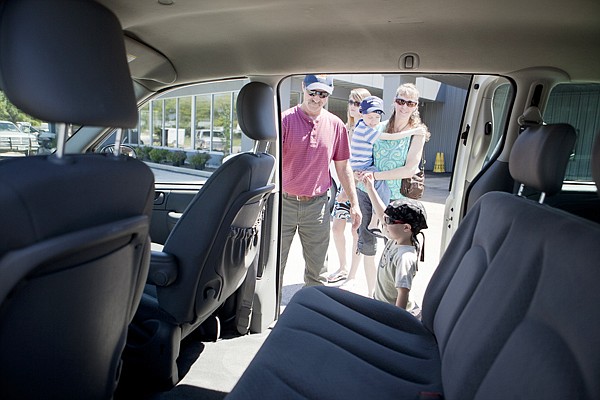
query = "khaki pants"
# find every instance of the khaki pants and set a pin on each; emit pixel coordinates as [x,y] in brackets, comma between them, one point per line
[311,220]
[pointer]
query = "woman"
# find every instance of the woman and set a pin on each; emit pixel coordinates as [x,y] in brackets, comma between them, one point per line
[341,208]
[397,154]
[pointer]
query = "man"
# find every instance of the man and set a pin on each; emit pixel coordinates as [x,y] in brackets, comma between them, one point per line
[313,138]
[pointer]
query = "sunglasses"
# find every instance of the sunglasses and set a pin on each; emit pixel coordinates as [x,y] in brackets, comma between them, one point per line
[409,103]
[354,103]
[390,221]
[313,93]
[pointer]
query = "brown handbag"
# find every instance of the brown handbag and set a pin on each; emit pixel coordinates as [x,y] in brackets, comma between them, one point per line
[414,186]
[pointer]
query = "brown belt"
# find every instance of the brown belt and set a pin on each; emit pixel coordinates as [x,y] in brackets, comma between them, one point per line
[299,198]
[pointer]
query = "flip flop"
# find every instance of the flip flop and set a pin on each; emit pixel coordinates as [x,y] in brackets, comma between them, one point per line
[337,277]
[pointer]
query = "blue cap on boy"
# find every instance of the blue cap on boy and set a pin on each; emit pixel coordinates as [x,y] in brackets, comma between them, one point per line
[371,104]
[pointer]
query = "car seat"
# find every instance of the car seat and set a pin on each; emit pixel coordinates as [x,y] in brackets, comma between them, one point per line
[74,244]
[206,257]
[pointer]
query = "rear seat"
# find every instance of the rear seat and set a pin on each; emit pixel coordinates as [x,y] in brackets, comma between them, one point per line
[512,311]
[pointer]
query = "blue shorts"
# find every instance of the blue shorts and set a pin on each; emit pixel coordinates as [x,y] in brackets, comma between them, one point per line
[367,242]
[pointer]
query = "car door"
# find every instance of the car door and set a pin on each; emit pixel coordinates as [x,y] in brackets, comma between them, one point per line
[480,141]
[494,116]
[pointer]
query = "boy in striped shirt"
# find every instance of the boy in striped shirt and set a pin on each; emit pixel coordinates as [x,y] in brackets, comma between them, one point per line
[361,145]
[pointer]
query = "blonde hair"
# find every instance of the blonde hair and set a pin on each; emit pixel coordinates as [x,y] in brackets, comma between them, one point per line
[408,90]
[357,94]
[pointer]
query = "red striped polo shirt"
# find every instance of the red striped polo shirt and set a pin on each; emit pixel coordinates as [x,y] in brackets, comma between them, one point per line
[308,149]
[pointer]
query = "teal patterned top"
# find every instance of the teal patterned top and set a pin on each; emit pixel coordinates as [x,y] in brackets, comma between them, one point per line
[391,154]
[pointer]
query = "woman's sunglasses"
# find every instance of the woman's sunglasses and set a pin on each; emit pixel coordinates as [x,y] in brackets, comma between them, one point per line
[313,93]
[354,103]
[402,102]
[390,221]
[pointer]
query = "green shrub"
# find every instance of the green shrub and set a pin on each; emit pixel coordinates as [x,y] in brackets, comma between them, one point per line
[176,157]
[158,155]
[143,152]
[198,160]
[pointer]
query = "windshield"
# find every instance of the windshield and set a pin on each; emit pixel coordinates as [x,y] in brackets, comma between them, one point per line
[8,126]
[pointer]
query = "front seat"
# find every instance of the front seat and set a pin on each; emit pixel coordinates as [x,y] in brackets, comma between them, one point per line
[74,244]
[208,253]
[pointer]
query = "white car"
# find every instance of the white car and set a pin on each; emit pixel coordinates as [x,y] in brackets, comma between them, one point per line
[204,141]
[13,141]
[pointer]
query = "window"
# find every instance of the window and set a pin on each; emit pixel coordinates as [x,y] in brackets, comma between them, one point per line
[21,134]
[502,99]
[578,105]
[193,129]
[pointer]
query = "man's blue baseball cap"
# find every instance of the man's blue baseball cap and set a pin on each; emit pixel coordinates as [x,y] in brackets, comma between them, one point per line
[319,82]
[371,104]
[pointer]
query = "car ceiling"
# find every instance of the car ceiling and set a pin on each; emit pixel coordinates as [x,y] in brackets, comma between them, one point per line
[193,40]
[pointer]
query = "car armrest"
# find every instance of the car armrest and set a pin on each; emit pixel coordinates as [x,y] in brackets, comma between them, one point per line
[163,269]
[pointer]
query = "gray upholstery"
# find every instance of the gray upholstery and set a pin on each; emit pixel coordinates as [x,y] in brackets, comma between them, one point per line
[74,257]
[510,313]
[528,167]
[256,112]
[52,50]
[206,257]
[74,245]
[540,155]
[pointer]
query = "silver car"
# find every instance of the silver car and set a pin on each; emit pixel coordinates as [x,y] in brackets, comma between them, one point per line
[14,142]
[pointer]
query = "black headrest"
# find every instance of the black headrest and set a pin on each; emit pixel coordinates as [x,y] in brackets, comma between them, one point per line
[65,61]
[596,162]
[539,156]
[256,111]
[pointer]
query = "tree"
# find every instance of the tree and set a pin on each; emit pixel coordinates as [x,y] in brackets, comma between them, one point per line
[8,112]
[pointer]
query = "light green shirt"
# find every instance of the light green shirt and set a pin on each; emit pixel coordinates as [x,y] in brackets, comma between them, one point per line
[397,268]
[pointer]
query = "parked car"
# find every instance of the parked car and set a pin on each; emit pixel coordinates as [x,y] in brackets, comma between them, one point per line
[207,140]
[13,141]
[487,71]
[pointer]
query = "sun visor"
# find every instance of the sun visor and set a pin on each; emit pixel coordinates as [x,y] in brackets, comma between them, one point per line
[147,64]
[65,61]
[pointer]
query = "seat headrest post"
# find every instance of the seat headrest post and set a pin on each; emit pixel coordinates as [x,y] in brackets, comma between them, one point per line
[521,188]
[542,198]
[118,137]
[61,139]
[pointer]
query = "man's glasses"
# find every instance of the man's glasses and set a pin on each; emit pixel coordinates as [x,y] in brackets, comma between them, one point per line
[313,93]
[409,103]
[390,221]
[354,103]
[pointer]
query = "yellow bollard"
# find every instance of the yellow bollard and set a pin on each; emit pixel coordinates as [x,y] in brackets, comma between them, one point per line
[439,163]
